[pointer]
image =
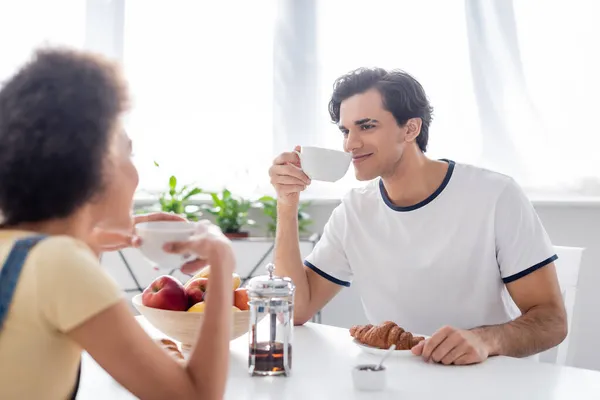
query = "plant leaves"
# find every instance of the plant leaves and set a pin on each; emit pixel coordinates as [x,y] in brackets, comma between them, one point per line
[267,199]
[172,185]
[216,200]
[191,193]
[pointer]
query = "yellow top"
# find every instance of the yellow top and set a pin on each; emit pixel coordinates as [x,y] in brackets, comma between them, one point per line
[61,286]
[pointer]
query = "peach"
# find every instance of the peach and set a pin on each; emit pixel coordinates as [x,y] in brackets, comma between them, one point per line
[240,299]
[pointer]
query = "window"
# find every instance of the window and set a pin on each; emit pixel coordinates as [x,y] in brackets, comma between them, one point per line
[513,86]
[560,59]
[29,24]
[201,78]
[220,88]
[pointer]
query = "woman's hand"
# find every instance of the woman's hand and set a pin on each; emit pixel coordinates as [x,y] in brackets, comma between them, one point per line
[104,240]
[210,247]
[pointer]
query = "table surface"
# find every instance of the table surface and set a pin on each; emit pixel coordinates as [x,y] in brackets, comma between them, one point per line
[321,369]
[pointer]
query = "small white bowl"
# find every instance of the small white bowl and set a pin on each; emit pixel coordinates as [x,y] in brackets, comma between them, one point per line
[366,377]
[156,234]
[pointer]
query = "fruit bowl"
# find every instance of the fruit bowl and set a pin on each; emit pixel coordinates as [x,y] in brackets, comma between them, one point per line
[183,326]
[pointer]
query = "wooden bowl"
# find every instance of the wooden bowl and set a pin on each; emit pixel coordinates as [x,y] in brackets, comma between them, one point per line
[183,326]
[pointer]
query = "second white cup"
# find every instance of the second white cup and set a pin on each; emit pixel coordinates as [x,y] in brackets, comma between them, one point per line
[322,164]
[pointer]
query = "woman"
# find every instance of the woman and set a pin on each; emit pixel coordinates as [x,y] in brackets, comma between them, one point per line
[65,170]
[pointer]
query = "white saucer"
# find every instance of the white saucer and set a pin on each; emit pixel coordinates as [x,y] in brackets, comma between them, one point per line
[380,352]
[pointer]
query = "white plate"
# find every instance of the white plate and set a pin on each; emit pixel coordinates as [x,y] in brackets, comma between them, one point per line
[380,352]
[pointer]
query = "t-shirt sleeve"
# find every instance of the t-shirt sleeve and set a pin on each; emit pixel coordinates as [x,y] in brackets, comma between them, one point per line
[522,244]
[71,284]
[328,258]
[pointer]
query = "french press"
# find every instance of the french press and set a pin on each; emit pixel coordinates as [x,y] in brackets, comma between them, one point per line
[271,301]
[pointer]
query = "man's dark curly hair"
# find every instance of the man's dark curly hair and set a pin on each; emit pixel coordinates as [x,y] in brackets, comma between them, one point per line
[56,117]
[402,95]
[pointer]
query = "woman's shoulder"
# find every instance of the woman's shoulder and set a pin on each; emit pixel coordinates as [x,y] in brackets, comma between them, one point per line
[65,253]
[71,281]
[64,247]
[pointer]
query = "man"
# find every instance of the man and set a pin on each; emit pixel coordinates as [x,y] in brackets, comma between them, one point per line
[441,248]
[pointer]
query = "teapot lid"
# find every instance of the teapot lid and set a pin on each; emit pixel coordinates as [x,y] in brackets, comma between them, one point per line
[270,285]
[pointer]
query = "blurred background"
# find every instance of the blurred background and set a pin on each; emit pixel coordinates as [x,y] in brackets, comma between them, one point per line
[221,87]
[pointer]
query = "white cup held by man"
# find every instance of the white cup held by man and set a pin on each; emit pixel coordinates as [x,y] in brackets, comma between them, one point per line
[156,234]
[321,164]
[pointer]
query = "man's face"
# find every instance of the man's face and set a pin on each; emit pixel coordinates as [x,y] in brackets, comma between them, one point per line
[371,135]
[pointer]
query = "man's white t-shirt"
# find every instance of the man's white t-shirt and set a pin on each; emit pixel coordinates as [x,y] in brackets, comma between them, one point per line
[443,261]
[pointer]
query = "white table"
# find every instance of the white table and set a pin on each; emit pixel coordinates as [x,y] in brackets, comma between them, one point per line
[323,357]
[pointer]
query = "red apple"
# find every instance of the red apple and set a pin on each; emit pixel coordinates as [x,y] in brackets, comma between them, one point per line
[196,290]
[166,293]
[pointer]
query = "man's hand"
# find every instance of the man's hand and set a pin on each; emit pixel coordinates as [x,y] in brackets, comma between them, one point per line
[287,177]
[453,346]
[104,240]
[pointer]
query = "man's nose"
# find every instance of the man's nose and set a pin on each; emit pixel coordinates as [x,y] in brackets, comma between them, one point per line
[353,142]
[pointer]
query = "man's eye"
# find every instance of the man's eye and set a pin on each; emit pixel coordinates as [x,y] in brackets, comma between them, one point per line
[366,126]
[345,132]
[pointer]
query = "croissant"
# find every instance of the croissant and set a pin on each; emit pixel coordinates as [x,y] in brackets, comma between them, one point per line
[384,335]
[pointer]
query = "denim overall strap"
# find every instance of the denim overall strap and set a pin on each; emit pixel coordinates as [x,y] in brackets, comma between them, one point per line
[9,276]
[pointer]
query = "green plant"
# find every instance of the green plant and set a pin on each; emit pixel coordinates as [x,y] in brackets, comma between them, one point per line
[269,206]
[231,212]
[177,200]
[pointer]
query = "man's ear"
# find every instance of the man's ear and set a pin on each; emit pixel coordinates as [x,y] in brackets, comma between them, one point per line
[413,129]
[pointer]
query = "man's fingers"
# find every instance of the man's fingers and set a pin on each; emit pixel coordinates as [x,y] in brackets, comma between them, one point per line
[454,354]
[434,341]
[289,170]
[418,349]
[287,180]
[285,158]
[453,341]
[466,359]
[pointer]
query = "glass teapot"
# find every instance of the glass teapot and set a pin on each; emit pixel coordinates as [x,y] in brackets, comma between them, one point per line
[271,301]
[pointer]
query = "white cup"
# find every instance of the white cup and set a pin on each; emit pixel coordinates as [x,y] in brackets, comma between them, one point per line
[321,164]
[368,378]
[156,234]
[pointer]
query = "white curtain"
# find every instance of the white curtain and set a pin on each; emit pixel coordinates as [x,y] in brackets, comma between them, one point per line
[514,84]
[535,68]
[29,24]
[560,55]
[221,87]
[201,77]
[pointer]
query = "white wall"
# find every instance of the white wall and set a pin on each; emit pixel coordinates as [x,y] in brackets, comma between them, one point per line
[568,224]
[578,226]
